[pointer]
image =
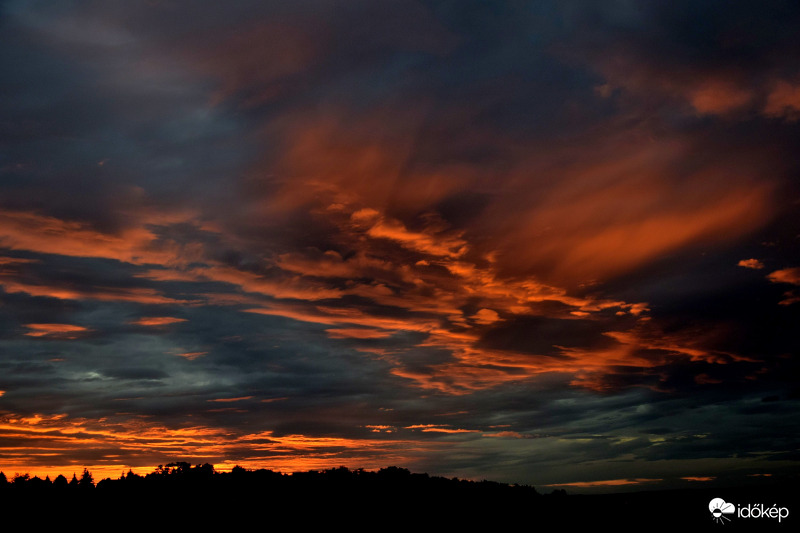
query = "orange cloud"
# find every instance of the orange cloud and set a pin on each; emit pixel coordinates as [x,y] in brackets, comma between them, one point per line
[486,316]
[330,264]
[790,298]
[534,249]
[380,428]
[434,300]
[790,276]
[719,96]
[643,347]
[136,243]
[109,294]
[609,215]
[239,399]
[786,275]
[20,230]
[507,435]
[191,356]
[59,444]
[6,261]
[472,368]
[157,321]
[343,316]
[433,428]
[751,263]
[60,331]
[784,101]
[357,333]
[709,91]
[607,482]
[288,288]
[343,160]
[430,243]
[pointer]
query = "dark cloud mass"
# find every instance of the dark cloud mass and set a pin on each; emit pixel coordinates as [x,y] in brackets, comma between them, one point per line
[552,243]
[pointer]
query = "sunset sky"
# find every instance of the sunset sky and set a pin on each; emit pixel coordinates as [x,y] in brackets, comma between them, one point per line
[552,242]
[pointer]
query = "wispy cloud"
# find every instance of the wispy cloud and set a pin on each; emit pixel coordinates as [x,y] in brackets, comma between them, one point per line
[61,331]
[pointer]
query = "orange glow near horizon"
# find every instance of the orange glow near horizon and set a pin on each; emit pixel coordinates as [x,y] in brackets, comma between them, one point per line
[606,483]
[53,437]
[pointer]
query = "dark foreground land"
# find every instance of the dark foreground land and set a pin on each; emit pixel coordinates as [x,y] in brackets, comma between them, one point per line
[181,496]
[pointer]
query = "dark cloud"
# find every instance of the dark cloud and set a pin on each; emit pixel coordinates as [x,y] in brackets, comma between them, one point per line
[543,336]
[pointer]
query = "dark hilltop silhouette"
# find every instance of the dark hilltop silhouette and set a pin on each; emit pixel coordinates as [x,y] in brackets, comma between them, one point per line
[182,496]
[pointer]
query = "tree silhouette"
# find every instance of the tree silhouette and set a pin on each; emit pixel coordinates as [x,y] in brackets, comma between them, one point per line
[38,484]
[87,481]
[204,470]
[60,482]
[180,468]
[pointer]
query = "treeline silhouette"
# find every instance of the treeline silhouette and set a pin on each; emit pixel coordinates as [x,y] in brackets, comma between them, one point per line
[183,496]
[314,496]
[203,478]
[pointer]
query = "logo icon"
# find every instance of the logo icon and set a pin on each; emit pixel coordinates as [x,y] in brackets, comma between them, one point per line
[719,508]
